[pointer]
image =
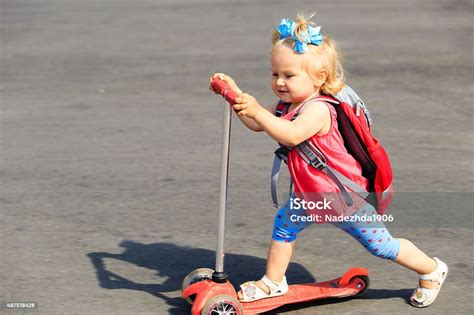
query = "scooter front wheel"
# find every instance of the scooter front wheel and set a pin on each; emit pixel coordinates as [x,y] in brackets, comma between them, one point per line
[193,277]
[222,304]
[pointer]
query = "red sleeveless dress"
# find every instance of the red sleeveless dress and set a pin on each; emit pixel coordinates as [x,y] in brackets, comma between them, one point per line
[307,180]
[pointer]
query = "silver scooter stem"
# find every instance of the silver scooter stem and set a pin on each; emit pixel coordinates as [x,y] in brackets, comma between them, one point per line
[223,189]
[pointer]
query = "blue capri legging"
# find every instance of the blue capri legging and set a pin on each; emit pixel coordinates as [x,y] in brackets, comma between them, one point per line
[373,236]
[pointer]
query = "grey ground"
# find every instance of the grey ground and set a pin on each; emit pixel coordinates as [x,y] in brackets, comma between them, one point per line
[110,147]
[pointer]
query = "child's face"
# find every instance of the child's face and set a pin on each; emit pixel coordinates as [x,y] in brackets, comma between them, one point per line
[290,81]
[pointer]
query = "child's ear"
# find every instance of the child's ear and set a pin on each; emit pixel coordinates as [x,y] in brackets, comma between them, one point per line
[321,77]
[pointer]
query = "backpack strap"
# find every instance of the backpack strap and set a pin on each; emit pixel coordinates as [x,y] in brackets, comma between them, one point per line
[311,155]
[326,99]
[281,154]
[348,95]
[320,98]
[281,108]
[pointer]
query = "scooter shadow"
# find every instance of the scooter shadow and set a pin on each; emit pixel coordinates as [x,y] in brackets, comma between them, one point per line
[371,294]
[172,263]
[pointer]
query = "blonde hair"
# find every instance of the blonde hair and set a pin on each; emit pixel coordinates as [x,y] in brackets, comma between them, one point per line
[325,56]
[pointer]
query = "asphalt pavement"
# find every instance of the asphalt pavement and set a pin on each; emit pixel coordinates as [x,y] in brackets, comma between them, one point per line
[110,149]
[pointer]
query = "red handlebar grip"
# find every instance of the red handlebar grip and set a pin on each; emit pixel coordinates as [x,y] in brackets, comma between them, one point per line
[221,87]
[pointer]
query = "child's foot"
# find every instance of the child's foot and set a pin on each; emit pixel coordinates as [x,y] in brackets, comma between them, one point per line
[429,286]
[265,288]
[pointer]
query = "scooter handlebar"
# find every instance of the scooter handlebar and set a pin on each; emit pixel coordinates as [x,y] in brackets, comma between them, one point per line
[223,88]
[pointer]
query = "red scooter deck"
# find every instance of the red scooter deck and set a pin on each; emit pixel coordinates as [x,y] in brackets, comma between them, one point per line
[298,293]
[353,282]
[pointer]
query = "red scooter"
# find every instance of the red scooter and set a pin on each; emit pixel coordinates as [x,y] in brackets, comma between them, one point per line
[210,292]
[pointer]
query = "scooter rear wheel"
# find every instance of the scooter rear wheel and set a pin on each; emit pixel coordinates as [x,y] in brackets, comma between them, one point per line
[366,280]
[193,277]
[222,304]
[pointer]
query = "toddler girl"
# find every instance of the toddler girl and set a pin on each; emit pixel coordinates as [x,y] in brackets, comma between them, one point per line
[305,65]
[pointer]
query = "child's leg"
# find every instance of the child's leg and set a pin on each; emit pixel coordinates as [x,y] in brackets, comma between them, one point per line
[413,258]
[279,255]
[281,248]
[278,259]
[285,230]
[377,240]
[375,237]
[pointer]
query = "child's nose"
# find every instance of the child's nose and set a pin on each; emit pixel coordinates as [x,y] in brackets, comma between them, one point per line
[280,82]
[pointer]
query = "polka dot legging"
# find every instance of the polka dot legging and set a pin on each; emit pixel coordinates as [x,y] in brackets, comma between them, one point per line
[373,236]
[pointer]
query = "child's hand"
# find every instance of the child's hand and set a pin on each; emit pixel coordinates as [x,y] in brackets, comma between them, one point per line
[227,79]
[246,105]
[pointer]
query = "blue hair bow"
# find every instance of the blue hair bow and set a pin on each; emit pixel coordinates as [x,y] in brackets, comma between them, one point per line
[312,35]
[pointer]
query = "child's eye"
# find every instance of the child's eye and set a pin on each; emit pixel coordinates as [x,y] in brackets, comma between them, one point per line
[289,75]
[274,74]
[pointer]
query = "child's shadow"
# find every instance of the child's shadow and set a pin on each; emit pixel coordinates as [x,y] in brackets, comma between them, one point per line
[173,263]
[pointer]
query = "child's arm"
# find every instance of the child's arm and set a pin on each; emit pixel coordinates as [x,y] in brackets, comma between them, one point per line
[311,120]
[252,123]
[247,121]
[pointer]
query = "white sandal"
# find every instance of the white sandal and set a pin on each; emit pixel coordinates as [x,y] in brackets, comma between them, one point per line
[422,297]
[252,292]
